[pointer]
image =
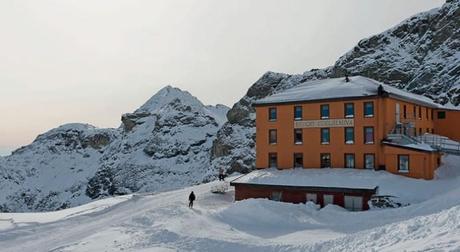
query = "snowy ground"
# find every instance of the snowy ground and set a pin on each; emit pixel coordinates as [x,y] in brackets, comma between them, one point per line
[163,222]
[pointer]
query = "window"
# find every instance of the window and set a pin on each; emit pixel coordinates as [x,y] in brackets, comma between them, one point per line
[368,135]
[353,203]
[368,109]
[272,136]
[324,111]
[312,197]
[369,161]
[276,196]
[349,135]
[349,160]
[419,131]
[427,130]
[325,160]
[298,160]
[298,139]
[272,114]
[325,135]
[415,111]
[403,163]
[441,114]
[419,112]
[405,112]
[272,160]
[432,114]
[298,113]
[427,112]
[349,110]
[328,199]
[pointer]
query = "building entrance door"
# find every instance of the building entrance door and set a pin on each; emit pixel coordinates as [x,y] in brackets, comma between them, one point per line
[312,197]
[354,203]
[328,199]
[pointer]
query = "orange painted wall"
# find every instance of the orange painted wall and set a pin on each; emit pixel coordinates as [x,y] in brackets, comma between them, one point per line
[421,164]
[449,126]
[423,121]
[312,147]
[383,122]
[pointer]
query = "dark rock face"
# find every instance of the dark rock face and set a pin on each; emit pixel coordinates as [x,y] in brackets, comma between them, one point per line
[97,141]
[101,184]
[130,120]
[422,55]
[240,112]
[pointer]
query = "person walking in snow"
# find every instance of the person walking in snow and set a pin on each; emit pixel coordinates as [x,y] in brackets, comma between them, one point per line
[221,174]
[191,198]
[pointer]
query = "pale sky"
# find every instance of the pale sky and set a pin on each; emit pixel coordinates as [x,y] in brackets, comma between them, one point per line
[92,60]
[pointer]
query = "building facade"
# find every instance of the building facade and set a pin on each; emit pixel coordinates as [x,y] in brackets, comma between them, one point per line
[370,126]
[352,199]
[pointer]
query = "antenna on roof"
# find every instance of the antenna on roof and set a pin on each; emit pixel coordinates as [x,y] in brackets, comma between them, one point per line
[346,78]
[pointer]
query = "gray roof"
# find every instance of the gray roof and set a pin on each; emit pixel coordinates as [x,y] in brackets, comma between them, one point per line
[338,88]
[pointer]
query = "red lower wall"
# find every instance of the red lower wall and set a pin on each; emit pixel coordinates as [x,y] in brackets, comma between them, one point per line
[295,195]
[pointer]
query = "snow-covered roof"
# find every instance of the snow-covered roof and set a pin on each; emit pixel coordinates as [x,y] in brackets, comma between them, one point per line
[330,177]
[415,146]
[338,88]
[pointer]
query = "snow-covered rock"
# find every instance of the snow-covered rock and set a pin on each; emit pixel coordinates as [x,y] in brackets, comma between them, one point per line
[164,144]
[419,55]
[53,171]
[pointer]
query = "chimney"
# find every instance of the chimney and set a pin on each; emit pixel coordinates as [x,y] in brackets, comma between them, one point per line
[381,91]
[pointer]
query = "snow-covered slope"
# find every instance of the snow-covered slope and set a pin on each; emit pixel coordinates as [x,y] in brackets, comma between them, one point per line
[164,144]
[163,222]
[420,55]
[53,171]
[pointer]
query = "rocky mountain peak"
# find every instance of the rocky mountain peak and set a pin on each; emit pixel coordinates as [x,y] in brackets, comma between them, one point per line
[166,96]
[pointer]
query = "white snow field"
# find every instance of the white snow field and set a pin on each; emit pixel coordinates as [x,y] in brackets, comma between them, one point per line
[163,222]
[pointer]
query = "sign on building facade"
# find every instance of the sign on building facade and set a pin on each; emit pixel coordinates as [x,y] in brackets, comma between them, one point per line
[329,123]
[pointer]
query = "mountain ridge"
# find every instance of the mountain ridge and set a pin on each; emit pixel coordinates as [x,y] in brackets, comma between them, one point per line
[77,162]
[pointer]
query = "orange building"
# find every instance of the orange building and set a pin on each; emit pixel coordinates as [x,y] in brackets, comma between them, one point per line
[354,123]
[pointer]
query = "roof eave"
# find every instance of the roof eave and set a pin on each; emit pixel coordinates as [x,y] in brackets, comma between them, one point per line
[362,97]
[372,190]
[407,147]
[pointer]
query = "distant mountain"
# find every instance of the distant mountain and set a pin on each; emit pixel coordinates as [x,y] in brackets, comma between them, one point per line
[421,55]
[164,144]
